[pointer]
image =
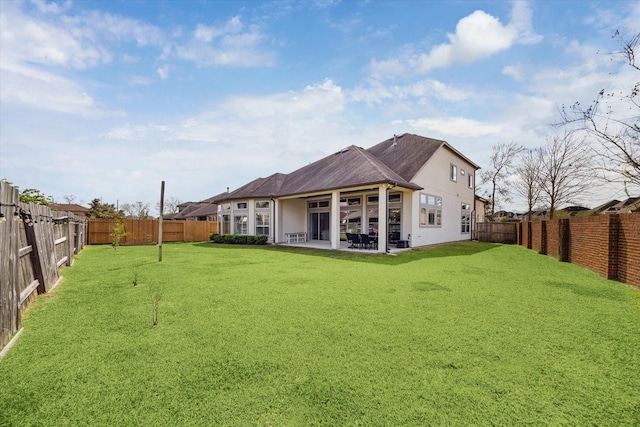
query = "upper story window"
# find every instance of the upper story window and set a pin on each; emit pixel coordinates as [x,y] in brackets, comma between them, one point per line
[470,180]
[372,200]
[395,197]
[262,204]
[351,201]
[241,205]
[318,204]
[453,172]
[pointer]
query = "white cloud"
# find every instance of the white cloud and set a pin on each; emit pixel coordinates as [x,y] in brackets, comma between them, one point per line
[456,126]
[229,44]
[477,36]
[163,71]
[207,33]
[514,71]
[51,7]
[45,91]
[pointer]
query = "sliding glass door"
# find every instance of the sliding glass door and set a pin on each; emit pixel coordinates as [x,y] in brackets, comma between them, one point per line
[319,225]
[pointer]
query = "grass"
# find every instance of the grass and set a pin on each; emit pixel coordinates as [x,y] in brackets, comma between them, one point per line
[466,334]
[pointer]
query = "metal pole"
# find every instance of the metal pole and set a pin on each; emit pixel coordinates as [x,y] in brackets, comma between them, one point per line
[160,222]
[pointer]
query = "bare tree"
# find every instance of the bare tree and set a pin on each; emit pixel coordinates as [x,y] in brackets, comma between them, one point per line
[567,171]
[528,179]
[170,205]
[495,176]
[69,199]
[137,210]
[615,129]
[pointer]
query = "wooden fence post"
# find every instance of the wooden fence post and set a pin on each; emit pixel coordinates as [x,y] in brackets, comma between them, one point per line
[69,243]
[38,272]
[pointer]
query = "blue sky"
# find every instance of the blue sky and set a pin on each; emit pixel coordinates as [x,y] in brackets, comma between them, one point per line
[108,98]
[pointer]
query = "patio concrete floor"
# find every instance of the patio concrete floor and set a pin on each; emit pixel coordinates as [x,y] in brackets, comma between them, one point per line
[344,246]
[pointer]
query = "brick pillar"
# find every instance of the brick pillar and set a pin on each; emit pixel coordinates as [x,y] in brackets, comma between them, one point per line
[614,235]
[563,240]
[543,238]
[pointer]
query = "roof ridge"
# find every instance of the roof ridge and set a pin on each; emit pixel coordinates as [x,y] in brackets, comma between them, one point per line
[364,153]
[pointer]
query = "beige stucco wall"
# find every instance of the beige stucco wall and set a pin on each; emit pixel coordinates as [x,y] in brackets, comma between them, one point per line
[434,177]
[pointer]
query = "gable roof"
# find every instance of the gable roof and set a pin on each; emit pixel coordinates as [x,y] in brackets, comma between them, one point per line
[350,167]
[69,207]
[258,188]
[407,153]
[394,161]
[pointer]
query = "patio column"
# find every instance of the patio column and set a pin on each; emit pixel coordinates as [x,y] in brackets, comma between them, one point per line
[334,228]
[383,221]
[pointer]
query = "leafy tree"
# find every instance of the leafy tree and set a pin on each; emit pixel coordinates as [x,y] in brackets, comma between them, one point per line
[567,172]
[613,121]
[528,179]
[31,195]
[97,209]
[495,176]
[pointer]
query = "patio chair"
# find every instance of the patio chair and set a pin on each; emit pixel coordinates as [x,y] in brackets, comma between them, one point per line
[355,241]
[366,241]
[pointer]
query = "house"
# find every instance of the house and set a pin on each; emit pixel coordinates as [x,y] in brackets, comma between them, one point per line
[75,209]
[407,190]
[480,208]
[631,205]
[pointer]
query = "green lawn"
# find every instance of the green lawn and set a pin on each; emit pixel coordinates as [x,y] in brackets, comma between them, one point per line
[468,334]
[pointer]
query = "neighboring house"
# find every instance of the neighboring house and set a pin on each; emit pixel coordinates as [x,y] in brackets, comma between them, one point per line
[481,208]
[631,205]
[502,216]
[197,212]
[81,211]
[409,189]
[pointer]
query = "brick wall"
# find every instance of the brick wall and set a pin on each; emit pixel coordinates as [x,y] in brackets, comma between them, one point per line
[536,236]
[606,244]
[589,244]
[553,240]
[629,249]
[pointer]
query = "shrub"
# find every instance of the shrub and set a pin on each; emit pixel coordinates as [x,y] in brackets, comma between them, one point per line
[238,239]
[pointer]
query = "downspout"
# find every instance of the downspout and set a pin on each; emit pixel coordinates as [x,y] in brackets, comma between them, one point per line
[272,219]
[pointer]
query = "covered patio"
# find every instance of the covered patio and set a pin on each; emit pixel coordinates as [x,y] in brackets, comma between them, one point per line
[344,246]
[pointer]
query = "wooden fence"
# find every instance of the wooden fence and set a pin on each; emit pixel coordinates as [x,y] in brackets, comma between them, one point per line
[497,232]
[35,242]
[145,231]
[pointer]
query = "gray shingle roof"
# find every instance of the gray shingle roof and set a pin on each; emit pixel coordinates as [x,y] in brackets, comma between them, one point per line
[395,161]
[350,167]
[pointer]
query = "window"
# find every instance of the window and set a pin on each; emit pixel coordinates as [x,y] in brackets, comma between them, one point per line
[470,180]
[453,175]
[262,224]
[225,224]
[240,224]
[372,200]
[465,218]
[430,210]
[395,198]
[318,204]
[241,205]
[352,201]
[262,205]
[461,171]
